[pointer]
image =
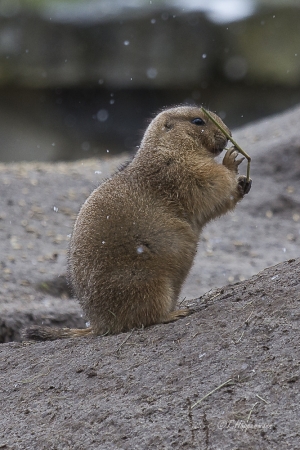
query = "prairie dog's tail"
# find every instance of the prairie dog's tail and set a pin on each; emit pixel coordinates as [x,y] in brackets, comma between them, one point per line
[40,333]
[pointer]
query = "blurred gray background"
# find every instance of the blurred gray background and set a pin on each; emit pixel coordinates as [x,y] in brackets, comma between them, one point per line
[80,78]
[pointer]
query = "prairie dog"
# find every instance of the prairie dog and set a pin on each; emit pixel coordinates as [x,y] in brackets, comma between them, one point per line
[136,235]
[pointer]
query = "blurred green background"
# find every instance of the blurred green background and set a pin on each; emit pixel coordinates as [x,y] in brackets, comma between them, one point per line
[80,78]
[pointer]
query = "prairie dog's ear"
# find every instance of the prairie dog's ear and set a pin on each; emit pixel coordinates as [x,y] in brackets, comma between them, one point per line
[168,125]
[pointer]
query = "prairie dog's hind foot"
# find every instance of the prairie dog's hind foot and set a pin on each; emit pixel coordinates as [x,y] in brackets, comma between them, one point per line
[178,314]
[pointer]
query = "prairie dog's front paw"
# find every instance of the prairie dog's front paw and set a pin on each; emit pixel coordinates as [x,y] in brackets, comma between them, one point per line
[244,185]
[230,160]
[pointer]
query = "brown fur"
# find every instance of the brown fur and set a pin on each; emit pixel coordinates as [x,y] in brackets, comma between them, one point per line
[136,236]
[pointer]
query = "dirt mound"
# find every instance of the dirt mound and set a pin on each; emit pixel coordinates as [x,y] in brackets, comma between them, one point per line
[225,377]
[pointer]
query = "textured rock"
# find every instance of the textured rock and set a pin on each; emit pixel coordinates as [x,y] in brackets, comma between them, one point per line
[227,374]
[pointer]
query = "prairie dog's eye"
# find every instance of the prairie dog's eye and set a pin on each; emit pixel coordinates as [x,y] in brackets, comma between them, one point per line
[198,121]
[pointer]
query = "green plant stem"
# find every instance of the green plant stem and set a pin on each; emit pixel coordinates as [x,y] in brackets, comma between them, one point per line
[239,149]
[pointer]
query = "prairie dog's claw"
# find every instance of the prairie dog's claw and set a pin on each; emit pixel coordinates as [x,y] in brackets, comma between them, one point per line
[244,184]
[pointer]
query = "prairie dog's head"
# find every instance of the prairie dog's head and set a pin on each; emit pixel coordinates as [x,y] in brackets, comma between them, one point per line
[183,123]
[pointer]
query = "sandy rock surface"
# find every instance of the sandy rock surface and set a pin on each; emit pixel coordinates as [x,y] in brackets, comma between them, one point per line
[149,389]
[136,390]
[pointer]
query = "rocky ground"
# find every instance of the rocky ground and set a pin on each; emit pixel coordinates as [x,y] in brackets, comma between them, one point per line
[140,390]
